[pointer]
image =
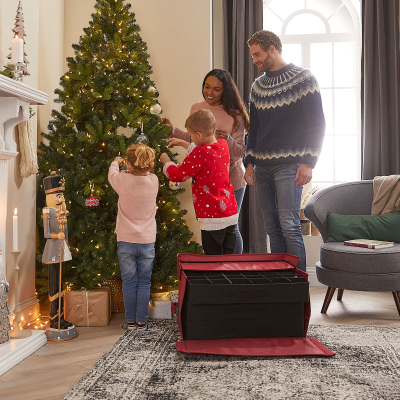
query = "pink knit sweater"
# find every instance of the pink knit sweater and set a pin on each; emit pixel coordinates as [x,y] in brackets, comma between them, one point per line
[136,205]
[235,140]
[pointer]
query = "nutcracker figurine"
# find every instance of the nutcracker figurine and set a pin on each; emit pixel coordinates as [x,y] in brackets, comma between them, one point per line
[55,252]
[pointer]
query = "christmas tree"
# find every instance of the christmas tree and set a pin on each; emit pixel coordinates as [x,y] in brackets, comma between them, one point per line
[106,87]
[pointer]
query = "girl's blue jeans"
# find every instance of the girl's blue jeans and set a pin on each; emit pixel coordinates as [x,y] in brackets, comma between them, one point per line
[280,205]
[136,264]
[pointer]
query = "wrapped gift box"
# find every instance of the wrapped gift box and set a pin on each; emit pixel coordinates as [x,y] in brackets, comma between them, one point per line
[174,296]
[117,298]
[160,310]
[88,307]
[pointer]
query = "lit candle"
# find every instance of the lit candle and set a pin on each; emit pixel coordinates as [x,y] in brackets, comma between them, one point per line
[17,50]
[15,231]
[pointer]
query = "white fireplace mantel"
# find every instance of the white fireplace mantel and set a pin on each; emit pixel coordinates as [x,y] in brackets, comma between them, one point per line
[11,88]
[15,100]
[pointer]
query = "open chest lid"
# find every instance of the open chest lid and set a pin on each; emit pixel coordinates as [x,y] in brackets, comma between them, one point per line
[236,262]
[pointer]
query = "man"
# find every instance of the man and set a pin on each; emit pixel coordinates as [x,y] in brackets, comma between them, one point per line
[287,127]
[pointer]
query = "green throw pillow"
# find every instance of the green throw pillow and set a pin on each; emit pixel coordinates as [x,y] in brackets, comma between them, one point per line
[376,227]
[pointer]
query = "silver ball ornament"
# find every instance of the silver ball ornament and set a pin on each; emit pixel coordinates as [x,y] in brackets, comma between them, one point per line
[156,109]
[142,138]
[174,185]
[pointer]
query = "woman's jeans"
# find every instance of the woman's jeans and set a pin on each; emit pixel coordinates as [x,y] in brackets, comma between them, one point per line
[280,199]
[136,264]
[239,194]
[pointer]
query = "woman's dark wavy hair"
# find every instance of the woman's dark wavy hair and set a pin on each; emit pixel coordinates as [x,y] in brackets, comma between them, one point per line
[231,100]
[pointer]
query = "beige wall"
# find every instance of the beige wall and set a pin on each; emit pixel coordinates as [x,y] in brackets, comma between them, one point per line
[22,191]
[179,43]
[51,56]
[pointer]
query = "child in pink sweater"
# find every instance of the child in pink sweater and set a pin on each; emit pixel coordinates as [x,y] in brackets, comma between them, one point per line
[212,192]
[136,230]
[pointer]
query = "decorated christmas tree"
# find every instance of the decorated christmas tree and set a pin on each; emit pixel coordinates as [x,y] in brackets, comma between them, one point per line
[107,87]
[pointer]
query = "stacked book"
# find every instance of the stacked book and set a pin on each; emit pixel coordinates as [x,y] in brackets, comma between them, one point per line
[370,244]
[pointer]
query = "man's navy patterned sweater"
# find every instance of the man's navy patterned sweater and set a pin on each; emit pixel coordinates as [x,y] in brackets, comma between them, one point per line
[287,124]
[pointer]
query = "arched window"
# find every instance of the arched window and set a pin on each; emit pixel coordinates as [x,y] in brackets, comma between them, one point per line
[325,37]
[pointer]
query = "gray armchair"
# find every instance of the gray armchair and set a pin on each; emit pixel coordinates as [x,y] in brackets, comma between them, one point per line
[346,267]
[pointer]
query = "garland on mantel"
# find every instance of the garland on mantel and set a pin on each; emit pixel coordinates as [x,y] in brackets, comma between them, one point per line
[6,72]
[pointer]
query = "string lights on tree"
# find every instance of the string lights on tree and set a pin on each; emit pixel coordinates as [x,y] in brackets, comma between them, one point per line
[108,86]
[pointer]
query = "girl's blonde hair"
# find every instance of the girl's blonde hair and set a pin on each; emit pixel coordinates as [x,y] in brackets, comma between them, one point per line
[140,156]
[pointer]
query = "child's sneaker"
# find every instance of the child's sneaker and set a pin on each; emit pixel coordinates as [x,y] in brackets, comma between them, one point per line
[130,326]
[143,327]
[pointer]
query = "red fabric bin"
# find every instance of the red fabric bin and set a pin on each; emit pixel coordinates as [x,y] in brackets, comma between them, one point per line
[224,298]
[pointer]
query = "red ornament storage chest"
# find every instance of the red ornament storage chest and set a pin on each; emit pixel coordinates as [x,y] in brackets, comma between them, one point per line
[246,304]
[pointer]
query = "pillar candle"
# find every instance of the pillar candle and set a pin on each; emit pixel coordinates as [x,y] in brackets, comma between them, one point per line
[15,231]
[17,50]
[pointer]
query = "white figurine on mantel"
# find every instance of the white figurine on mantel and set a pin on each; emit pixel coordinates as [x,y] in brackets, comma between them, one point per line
[5,326]
[19,35]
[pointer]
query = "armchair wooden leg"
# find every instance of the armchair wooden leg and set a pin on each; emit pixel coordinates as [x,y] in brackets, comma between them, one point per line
[328,297]
[396,296]
[340,294]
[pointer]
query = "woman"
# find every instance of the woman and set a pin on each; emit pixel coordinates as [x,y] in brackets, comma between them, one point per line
[222,98]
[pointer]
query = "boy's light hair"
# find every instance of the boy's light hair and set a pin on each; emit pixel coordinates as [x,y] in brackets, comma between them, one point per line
[202,121]
[140,156]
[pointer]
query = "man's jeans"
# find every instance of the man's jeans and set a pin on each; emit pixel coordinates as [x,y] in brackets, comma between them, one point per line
[239,194]
[280,204]
[136,264]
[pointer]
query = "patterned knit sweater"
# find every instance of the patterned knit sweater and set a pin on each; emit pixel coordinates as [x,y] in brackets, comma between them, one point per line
[287,124]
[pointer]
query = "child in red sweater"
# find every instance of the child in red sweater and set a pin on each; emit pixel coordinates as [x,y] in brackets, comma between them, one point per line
[212,192]
[136,230]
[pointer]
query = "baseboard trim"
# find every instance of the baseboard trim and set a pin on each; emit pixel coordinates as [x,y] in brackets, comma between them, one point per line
[16,350]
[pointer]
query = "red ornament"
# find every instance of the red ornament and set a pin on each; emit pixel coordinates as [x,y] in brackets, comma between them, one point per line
[92,202]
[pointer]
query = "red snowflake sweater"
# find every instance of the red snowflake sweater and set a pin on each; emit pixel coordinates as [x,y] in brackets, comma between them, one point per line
[212,192]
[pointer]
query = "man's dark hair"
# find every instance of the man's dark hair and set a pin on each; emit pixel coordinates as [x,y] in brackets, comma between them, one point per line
[232,103]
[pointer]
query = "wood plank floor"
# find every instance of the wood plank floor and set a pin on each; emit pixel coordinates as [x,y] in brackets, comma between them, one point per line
[54,369]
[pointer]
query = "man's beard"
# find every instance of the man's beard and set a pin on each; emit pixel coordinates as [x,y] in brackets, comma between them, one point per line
[267,64]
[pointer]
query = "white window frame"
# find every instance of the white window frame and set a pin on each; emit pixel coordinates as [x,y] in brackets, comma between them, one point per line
[306,39]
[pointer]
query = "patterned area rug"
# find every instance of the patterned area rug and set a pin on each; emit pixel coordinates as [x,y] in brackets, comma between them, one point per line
[147,366]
